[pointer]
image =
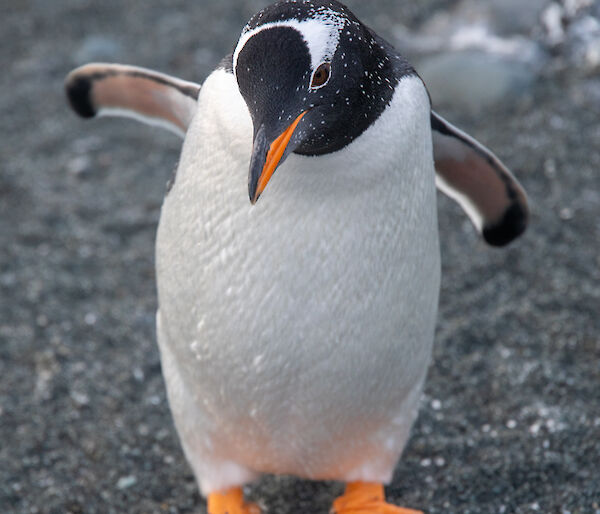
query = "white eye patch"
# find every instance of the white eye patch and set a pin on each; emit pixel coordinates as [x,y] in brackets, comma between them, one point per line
[321,34]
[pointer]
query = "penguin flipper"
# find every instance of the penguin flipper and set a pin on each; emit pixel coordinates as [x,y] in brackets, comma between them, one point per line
[118,90]
[474,177]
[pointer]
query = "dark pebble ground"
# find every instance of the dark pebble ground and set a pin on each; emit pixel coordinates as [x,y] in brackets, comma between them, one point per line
[511,416]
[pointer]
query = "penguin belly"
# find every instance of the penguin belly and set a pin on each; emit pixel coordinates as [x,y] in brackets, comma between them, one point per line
[295,335]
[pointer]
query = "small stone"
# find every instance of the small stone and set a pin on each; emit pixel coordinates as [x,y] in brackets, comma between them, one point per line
[138,374]
[436,404]
[511,423]
[80,399]
[79,166]
[126,482]
[566,214]
[426,463]
[90,319]
[505,353]
[162,434]
[154,400]
[535,428]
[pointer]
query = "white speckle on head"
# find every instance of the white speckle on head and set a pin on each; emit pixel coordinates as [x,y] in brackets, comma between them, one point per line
[321,34]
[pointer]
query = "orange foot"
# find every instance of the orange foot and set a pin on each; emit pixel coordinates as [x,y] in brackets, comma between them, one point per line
[230,502]
[365,498]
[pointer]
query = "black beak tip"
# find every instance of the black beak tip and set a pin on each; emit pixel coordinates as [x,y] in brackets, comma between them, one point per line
[260,148]
[254,196]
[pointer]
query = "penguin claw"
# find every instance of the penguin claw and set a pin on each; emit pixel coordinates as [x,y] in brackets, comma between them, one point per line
[365,498]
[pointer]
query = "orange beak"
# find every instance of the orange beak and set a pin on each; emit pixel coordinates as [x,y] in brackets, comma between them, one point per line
[257,184]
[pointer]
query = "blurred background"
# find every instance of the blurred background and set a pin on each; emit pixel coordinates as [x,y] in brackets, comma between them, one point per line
[511,413]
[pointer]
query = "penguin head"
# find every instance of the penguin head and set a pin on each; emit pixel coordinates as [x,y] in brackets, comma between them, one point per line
[314,78]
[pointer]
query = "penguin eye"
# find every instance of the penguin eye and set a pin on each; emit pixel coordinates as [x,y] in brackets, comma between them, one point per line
[321,75]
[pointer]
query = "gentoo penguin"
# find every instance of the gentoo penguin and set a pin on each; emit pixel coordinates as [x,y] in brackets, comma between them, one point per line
[295,332]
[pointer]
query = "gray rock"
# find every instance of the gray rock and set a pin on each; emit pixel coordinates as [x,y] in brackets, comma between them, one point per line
[126,482]
[584,42]
[553,24]
[474,80]
[503,17]
[515,16]
[572,30]
[496,27]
